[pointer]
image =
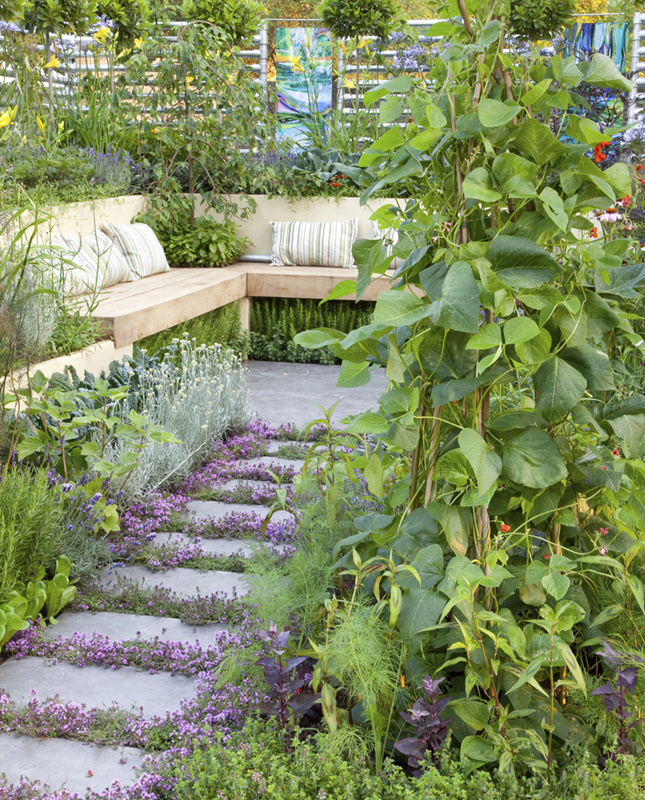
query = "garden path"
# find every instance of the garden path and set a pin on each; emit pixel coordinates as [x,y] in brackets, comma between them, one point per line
[57,698]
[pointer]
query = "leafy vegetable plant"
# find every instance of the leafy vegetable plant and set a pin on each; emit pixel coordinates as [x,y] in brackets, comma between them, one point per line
[508,465]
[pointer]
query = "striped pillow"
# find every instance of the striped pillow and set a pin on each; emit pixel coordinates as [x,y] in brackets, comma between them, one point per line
[140,247]
[316,244]
[54,261]
[74,267]
[100,259]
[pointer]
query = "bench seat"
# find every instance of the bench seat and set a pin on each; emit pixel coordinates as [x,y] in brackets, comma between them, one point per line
[131,311]
[307,283]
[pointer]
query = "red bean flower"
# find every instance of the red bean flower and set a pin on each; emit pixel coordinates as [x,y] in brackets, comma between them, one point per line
[505,528]
[597,152]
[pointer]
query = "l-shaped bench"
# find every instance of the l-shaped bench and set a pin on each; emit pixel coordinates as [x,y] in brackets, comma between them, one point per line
[128,312]
[131,311]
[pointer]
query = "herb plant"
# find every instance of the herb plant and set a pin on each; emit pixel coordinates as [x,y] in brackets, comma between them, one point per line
[196,242]
[431,730]
[288,702]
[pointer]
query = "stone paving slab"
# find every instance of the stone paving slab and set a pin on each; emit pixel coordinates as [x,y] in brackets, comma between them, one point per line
[218,547]
[236,483]
[182,581]
[283,393]
[267,461]
[96,687]
[207,509]
[64,764]
[273,445]
[132,626]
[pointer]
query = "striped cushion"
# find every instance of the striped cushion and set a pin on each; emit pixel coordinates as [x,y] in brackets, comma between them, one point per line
[73,267]
[140,247]
[99,258]
[316,244]
[55,260]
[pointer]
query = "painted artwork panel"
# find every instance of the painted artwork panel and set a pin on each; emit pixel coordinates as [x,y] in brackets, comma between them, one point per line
[304,78]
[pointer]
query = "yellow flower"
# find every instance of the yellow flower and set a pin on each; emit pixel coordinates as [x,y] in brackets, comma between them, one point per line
[41,125]
[138,42]
[296,66]
[8,116]
[364,43]
[53,62]
[349,83]
[102,34]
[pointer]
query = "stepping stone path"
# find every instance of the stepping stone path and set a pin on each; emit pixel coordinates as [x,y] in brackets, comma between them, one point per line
[280,393]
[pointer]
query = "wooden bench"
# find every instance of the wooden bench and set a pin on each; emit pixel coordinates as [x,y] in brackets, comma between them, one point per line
[128,312]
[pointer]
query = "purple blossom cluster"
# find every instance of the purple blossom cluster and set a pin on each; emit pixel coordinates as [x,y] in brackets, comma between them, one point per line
[129,597]
[248,524]
[151,785]
[213,707]
[153,655]
[111,159]
[413,59]
[248,493]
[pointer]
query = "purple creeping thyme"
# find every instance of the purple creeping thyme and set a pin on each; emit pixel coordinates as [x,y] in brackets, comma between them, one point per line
[214,706]
[153,655]
[150,785]
[248,525]
[247,494]
[221,466]
[130,597]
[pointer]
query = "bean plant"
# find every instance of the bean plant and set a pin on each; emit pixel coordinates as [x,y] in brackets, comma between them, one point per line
[510,470]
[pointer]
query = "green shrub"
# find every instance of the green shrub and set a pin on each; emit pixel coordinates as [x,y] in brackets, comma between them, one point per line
[239,20]
[68,174]
[258,762]
[30,525]
[540,19]
[131,18]
[203,242]
[275,321]
[348,19]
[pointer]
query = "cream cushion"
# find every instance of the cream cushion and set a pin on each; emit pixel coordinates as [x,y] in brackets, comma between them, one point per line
[315,244]
[140,247]
[99,259]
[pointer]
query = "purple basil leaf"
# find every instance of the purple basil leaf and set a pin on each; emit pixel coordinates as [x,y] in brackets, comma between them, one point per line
[627,679]
[267,661]
[294,662]
[268,708]
[301,703]
[441,703]
[613,658]
[411,747]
